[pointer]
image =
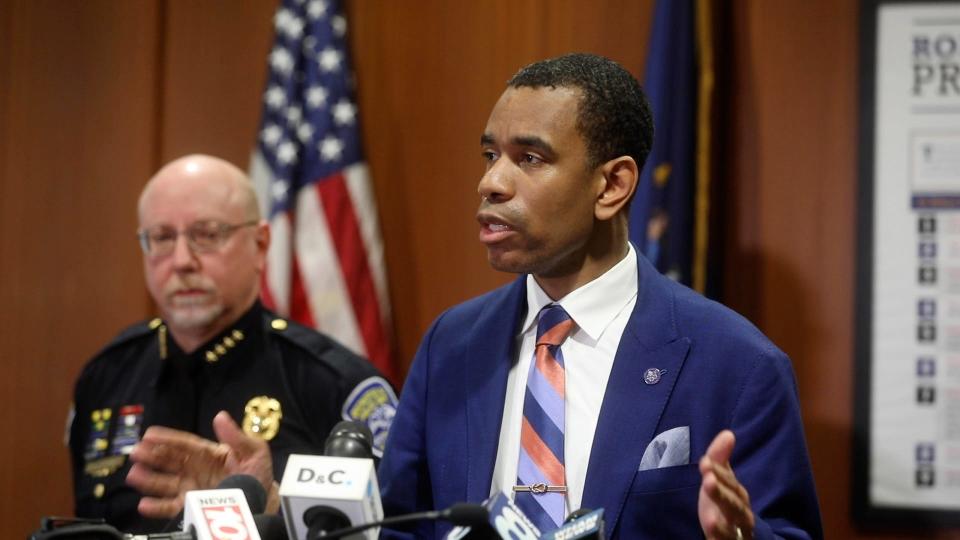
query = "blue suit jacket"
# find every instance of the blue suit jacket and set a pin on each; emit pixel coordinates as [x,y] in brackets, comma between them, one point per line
[721,372]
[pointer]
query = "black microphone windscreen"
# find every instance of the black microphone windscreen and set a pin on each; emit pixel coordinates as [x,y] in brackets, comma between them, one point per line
[270,526]
[252,490]
[323,518]
[349,438]
[466,514]
[577,514]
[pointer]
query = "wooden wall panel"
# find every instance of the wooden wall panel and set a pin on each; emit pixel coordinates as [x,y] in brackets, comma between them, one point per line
[214,67]
[76,140]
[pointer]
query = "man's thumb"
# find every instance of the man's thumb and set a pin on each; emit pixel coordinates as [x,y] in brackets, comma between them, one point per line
[721,448]
[230,434]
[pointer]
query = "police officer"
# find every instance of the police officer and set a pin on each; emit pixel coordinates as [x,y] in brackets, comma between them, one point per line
[214,348]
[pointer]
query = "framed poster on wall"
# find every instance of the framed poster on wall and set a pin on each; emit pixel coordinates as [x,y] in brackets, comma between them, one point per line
[906,458]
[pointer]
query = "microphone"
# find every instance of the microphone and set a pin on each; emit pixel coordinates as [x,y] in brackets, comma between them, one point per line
[245,489]
[223,513]
[505,520]
[176,535]
[319,494]
[270,526]
[67,528]
[350,439]
[582,524]
[463,514]
[252,489]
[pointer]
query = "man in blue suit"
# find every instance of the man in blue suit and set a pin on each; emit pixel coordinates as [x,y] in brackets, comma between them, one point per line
[592,381]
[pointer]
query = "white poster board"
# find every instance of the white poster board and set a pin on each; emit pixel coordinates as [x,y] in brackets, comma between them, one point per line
[907,448]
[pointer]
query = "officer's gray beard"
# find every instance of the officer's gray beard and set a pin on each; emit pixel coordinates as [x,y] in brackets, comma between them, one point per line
[193,313]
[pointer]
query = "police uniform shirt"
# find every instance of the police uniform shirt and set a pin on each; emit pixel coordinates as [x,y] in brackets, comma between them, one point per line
[281,381]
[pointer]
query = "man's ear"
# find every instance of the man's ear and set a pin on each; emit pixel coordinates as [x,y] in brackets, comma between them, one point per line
[262,239]
[620,178]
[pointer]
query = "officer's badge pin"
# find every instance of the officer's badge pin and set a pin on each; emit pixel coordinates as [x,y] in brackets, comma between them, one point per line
[261,417]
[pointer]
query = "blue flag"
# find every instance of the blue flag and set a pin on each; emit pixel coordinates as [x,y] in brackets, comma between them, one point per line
[664,214]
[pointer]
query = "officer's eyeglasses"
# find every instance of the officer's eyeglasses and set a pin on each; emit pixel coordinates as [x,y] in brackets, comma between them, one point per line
[202,237]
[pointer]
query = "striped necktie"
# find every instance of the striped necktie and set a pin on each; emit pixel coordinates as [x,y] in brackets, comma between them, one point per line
[541,477]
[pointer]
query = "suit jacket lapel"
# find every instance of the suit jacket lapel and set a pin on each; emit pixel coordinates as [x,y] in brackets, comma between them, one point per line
[631,408]
[488,362]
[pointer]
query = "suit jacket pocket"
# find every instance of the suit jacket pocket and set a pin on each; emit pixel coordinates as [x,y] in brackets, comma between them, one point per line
[666,479]
[662,503]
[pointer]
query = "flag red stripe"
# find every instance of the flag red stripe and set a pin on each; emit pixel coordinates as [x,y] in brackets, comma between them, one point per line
[299,302]
[266,294]
[348,243]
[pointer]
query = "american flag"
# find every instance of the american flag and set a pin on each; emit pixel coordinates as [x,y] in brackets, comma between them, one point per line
[325,266]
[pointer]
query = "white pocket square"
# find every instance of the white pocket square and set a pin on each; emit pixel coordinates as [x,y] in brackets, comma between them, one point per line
[668,449]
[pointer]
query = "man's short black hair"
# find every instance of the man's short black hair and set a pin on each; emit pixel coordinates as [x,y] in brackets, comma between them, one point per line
[614,116]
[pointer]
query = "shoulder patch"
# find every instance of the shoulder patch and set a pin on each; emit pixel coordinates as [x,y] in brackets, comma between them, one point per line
[374,403]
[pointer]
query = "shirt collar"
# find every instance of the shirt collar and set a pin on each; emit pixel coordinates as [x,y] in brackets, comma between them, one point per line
[592,306]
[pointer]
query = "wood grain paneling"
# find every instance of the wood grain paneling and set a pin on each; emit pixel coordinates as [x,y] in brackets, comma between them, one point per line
[214,67]
[78,139]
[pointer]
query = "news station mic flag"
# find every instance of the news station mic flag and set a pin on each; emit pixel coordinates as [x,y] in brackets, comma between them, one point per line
[671,213]
[325,267]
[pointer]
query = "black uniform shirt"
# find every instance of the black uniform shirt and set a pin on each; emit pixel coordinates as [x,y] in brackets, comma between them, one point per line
[283,382]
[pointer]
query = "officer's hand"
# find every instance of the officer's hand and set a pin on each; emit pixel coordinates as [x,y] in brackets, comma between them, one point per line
[724,504]
[167,463]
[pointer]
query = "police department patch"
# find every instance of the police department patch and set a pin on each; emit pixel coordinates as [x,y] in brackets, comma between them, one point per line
[374,403]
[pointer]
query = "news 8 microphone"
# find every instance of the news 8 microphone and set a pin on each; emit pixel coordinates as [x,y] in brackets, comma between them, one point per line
[319,494]
[582,524]
[505,520]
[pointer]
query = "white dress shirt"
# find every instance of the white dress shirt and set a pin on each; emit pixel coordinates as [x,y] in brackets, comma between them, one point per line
[600,310]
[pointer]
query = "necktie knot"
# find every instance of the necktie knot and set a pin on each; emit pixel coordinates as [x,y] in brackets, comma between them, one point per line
[554,325]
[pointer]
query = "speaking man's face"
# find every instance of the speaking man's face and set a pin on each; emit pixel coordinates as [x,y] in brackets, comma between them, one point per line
[537,194]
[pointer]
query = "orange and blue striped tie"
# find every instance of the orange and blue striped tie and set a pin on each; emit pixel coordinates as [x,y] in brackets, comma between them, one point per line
[541,469]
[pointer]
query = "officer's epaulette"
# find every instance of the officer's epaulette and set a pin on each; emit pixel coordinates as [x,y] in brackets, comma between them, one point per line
[300,335]
[351,367]
[131,333]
